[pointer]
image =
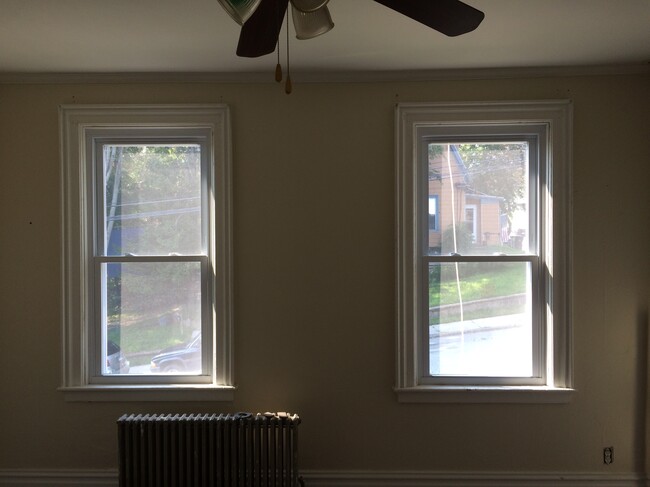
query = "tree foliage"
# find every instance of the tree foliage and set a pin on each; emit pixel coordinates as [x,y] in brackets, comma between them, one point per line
[153,199]
[497,170]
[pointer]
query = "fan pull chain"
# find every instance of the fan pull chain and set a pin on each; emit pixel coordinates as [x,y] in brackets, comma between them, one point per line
[278,68]
[287,86]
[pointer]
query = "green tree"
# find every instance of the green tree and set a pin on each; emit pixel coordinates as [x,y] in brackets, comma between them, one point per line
[498,170]
[153,199]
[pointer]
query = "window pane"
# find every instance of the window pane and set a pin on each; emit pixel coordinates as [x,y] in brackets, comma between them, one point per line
[482,198]
[151,313]
[433,212]
[152,199]
[480,319]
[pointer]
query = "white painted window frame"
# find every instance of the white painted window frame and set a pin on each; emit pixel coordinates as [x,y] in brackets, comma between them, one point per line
[555,383]
[82,129]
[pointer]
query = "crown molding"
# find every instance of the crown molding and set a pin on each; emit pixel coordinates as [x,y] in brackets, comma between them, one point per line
[325,77]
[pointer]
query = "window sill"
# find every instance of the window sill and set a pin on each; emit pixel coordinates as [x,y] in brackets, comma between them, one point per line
[125,393]
[485,394]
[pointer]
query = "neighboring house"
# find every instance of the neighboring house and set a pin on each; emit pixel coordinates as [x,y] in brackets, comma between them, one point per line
[452,198]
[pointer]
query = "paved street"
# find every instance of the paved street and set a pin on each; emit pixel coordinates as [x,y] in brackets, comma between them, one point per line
[140,369]
[485,347]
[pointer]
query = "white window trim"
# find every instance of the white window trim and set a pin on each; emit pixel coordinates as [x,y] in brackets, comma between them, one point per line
[556,250]
[76,123]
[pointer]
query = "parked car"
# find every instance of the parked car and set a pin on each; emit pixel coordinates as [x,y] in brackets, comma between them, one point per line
[116,362]
[179,359]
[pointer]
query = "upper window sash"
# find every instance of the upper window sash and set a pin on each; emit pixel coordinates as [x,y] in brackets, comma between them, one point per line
[98,139]
[534,134]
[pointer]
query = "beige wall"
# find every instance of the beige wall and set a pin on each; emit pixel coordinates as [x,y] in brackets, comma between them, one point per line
[314,289]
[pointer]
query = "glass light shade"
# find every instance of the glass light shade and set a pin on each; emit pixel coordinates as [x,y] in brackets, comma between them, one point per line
[311,24]
[308,5]
[240,10]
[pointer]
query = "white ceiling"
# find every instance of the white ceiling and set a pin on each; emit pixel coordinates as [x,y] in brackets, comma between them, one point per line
[140,36]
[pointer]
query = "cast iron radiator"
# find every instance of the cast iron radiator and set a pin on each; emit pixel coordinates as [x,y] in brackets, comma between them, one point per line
[208,450]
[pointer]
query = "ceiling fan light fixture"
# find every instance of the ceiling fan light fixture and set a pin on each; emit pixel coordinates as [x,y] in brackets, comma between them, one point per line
[308,5]
[240,10]
[311,24]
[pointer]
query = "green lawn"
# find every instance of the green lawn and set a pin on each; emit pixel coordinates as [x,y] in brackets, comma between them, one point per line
[145,336]
[501,280]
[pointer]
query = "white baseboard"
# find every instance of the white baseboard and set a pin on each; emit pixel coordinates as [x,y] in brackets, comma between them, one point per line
[320,478]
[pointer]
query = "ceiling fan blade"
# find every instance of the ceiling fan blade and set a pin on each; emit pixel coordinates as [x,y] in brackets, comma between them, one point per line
[259,35]
[451,17]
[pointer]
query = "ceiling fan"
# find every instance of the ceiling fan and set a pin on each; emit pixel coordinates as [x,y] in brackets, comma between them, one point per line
[262,20]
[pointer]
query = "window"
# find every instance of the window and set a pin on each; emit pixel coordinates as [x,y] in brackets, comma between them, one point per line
[433,212]
[484,294]
[147,310]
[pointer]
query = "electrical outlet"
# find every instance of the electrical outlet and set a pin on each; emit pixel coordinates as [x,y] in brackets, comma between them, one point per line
[608,455]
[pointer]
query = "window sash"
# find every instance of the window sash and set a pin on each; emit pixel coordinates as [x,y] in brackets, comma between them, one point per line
[97,336]
[538,344]
[533,134]
[96,143]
